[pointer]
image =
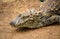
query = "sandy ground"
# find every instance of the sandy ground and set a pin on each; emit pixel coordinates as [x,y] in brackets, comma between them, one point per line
[10,9]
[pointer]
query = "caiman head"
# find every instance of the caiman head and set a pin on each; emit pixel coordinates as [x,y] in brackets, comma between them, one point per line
[30,20]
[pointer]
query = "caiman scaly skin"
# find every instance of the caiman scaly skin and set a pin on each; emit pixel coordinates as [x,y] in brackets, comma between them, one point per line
[51,6]
[49,13]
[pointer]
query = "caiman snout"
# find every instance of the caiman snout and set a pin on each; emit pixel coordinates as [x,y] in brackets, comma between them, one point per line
[12,23]
[16,21]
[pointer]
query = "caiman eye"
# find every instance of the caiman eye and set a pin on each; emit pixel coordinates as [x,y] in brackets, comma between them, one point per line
[41,0]
[24,17]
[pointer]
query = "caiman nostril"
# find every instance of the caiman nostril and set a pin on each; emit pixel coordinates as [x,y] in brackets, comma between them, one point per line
[12,24]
